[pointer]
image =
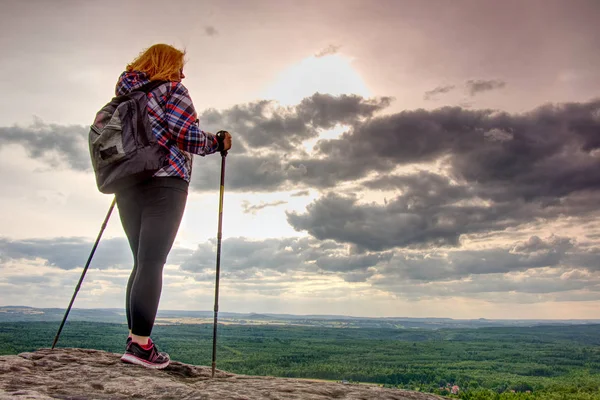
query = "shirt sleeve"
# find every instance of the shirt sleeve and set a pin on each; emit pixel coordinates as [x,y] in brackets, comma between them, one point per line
[183,124]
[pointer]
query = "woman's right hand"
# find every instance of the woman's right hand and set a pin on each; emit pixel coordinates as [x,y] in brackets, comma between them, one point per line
[225,138]
[227,141]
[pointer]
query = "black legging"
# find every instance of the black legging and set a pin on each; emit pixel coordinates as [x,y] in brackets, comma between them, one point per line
[150,213]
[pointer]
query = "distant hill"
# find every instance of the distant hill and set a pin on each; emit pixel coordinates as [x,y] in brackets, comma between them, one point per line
[116,315]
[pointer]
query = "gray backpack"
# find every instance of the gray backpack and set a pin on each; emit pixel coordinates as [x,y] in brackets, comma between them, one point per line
[123,149]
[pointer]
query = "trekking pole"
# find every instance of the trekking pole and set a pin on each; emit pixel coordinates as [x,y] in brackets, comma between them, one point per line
[87,264]
[219,235]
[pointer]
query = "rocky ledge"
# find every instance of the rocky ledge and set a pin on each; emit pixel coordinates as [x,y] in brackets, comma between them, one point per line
[77,374]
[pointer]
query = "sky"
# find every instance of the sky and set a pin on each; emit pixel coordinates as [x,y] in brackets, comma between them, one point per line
[390,158]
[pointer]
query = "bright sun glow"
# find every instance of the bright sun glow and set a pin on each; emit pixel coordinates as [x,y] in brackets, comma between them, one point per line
[331,74]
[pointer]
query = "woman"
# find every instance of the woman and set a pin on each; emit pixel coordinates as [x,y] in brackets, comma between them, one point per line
[152,210]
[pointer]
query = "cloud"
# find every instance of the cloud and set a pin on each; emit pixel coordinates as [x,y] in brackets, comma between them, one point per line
[430,212]
[534,270]
[326,111]
[260,125]
[275,135]
[472,86]
[535,245]
[211,31]
[478,86]
[59,146]
[329,50]
[352,263]
[438,90]
[498,135]
[246,173]
[277,131]
[247,257]
[521,288]
[380,227]
[438,265]
[300,193]
[68,253]
[253,209]
[499,171]
[267,126]
[555,267]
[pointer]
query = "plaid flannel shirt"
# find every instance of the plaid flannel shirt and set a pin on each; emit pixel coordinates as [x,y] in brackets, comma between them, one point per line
[174,122]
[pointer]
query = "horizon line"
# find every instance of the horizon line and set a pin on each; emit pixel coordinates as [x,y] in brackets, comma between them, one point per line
[316,315]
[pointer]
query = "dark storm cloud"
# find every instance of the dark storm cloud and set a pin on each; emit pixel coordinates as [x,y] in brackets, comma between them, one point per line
[329,50]
[261,125]
[380,227]
[478,86]
[502,171]
[438,90]
[265,125]
[68,253]
[274,134]
[51,143]
[430,212]
[325,111]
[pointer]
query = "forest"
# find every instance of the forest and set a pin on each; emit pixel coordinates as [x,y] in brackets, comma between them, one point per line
[541,362]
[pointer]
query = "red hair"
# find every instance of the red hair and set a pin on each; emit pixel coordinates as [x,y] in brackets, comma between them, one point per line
[160,62]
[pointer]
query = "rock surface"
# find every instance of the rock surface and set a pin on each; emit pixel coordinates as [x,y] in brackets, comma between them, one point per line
[77,374]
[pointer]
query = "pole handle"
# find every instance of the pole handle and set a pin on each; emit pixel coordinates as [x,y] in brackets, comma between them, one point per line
[220,138]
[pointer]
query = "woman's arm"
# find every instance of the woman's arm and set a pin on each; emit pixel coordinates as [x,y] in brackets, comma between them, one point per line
[183,124]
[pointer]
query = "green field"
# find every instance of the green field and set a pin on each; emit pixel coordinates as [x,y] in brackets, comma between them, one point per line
[551,362]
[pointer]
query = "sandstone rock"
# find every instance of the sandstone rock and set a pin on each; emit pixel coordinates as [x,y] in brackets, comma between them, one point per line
[77,374]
